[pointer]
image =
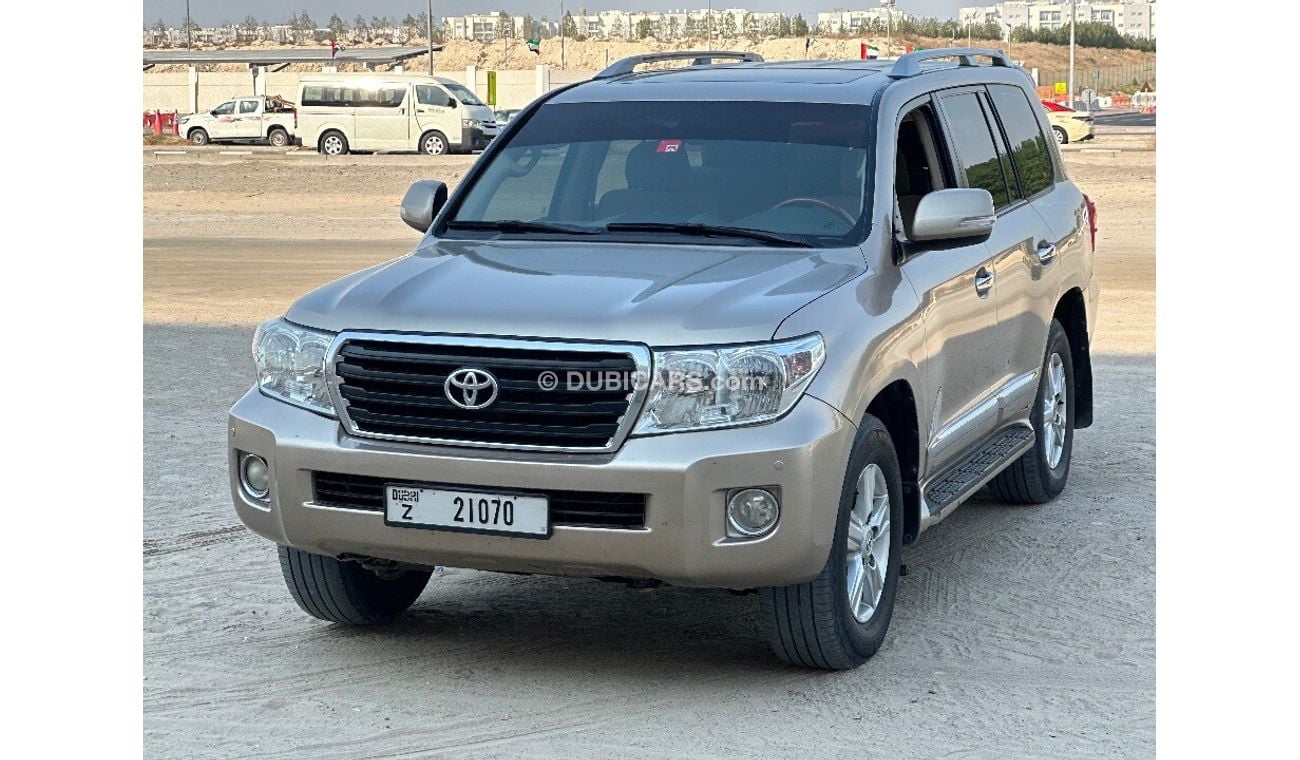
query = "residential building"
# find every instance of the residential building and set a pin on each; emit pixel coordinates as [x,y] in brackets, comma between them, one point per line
[855,22]
[1135,18]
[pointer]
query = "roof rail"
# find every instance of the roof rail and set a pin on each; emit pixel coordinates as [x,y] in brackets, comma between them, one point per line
[910,64]
[701,58]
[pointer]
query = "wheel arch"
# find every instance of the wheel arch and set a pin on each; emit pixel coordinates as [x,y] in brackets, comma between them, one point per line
[1072,312]
[325,129]
[895,406]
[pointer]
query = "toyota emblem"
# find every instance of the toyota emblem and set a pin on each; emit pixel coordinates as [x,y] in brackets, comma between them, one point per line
[470,388]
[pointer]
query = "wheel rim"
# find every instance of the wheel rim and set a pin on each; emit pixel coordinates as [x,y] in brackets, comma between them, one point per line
[1054,416]
[333,145]
[1060,137]
[868,543]
[277,138]
[197,138]
[433,145]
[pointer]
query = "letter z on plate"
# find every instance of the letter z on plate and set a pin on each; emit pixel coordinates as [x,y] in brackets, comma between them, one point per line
[467,511]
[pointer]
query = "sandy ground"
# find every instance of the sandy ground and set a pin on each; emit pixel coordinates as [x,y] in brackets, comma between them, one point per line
[1025,632]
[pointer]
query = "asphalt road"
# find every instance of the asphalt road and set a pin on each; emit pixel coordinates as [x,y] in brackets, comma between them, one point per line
[1125,119]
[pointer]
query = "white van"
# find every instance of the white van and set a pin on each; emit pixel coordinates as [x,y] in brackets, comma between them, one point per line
[338,113]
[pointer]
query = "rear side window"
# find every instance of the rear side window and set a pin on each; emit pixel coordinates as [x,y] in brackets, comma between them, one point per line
[1029,149]
[387,96]
[247,106]
[973,147]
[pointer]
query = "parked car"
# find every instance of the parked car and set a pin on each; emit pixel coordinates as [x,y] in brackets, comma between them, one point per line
[1068,125]
[754,326]
[392,112]
[272,120]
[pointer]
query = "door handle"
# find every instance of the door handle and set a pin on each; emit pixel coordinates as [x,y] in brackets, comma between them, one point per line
[1046,252]
[983,282]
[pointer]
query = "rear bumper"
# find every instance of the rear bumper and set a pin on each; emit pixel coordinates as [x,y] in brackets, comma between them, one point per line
[685,476]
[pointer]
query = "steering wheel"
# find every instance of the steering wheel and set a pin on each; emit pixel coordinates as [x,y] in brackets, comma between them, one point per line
[831,207]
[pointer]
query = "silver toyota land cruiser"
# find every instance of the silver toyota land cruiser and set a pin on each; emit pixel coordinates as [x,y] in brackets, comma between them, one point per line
[736,324]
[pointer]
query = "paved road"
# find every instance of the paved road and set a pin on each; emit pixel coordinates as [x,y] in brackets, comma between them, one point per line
[1126,119]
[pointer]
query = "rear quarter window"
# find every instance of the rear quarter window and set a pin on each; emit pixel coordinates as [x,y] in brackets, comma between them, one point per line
[1029,147]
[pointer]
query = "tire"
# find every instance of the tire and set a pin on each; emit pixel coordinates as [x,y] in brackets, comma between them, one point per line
[1033,479]
[434,144]
[278,137]
[346,592]
[199,136]
[812,624]
[333,143]
[1062,138]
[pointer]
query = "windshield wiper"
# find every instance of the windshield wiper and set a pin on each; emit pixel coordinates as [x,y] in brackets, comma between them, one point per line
[710,230]
[518,225]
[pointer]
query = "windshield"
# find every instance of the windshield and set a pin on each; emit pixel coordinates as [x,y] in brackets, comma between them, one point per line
[637,168]
[463,94]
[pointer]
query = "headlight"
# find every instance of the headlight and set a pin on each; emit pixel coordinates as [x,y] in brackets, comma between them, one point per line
[703,388]
[471,123]
[291,364]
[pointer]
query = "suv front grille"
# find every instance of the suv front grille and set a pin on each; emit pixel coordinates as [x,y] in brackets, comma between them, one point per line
[396,388]
[589,509]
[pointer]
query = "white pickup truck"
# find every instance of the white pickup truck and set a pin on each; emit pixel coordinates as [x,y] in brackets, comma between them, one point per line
[260,118]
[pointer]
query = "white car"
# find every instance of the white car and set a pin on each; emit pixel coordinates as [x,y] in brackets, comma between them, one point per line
[259,118]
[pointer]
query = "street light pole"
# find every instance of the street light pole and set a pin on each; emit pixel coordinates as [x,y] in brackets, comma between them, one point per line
[189,25]
[561,35]
[429,31]
[710,24]
[889,26]
[1071,85]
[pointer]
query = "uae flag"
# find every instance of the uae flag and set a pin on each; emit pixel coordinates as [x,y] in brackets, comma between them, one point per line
[535,45]
[870,51]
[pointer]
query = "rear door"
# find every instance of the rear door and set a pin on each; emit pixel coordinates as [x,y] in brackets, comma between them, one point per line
[248,118]
[382,119]
[1033,277]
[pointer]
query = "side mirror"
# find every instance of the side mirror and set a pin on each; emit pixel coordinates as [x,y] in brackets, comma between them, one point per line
[953,214]
[423,201]
[451,103]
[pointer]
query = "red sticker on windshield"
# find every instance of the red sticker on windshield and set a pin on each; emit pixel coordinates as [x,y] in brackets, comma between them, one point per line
[669,146]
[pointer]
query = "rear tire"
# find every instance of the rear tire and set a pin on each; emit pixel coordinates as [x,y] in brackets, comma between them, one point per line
[278,138]
[333,143]
[199,136]
[346,592]
[1062,137]
[1033,478]
[819,624]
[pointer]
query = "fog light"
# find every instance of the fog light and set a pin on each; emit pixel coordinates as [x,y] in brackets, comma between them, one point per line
[752,512]
[255,475]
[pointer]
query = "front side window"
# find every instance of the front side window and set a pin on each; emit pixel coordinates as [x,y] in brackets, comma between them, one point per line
[463,93]
[972,143]
[432,95]
[788,169]
[225,109]
[1029,151]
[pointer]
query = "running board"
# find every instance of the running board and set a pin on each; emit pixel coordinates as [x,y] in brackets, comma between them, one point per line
[979,468]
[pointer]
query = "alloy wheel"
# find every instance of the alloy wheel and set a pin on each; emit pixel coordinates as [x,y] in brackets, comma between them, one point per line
[868,543]
[1054,412]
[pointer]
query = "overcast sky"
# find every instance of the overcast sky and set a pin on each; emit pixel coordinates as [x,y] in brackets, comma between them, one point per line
[212,12]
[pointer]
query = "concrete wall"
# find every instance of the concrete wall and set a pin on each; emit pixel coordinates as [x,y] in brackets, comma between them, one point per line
[200,91]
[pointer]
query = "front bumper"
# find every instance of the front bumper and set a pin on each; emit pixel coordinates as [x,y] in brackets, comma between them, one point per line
[686,477]
[474,138]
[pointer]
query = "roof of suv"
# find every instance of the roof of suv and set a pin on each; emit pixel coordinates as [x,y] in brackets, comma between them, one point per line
[821,81]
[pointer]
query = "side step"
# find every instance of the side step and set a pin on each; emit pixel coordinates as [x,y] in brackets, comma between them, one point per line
[977,469]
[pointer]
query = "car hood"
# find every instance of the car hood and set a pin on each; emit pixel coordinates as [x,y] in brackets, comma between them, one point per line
[644,293]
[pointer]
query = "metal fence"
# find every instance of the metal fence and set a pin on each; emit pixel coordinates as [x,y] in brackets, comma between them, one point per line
[1108,80]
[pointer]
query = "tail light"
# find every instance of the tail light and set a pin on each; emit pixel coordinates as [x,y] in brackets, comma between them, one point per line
[1092,219]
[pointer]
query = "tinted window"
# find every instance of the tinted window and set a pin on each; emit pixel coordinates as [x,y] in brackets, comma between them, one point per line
[391,95]
[225,108]
[431,95]
[794,169]
[346,96]
[1029,149]
[464,94]
[973,146]
[247,106]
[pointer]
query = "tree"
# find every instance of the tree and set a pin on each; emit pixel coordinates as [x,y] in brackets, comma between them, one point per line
[799,27]
[359,28]
[529,28]
[644,28]
[616,29]
[727,26]
[568,27]
[673,27]
[337,27]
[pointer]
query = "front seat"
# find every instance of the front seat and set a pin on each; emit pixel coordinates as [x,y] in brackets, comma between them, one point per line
[660,187]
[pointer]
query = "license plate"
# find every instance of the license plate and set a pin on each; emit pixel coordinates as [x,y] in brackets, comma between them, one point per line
[467,511]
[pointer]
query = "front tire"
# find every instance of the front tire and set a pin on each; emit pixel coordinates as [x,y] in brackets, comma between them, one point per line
[199,137]
[346,592]
[838,620]
[434,144]
[1040,473]
[1062,137]
[333,144]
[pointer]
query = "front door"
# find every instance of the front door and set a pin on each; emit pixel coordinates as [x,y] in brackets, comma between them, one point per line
[223,121]
[435,111]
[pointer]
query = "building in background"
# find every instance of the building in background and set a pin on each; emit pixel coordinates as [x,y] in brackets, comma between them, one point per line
[855,22]
[1135,18]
